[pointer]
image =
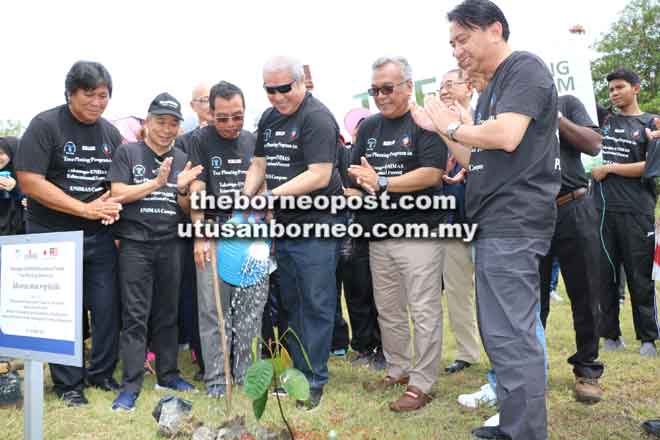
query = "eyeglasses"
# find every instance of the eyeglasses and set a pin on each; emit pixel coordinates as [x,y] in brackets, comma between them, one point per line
[450,83]
[385,90]
[282,89]
[225,119]
[202,100]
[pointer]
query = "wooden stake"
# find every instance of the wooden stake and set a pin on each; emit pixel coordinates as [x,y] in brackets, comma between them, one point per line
[221,323]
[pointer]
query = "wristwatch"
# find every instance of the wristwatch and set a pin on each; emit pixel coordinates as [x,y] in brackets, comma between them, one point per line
[182,193]
[451,129]
[382,184]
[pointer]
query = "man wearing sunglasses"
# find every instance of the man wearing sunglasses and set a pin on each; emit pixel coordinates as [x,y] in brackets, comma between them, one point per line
[393,154]
[224,149]
[297,143]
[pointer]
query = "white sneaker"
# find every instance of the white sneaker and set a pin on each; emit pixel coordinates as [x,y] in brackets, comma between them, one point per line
[493,421]
[484,397]
[555,296]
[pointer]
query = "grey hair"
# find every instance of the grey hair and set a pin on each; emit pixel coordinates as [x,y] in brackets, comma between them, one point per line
[406,70]
[287,64]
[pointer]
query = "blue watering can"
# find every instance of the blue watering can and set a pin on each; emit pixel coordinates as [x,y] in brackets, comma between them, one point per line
[243,262]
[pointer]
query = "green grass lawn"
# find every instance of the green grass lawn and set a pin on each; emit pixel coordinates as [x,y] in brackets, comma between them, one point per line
[632,386]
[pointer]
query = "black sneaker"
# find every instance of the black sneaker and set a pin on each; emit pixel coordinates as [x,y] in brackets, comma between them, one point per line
[490,432]
[74,398]
[315,396]
[107,384]
[378,362]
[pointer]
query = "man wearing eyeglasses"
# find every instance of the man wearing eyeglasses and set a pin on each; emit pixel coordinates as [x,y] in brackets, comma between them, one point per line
[224,149]
[296,147]
[188,308]
[394,155]
[458,270]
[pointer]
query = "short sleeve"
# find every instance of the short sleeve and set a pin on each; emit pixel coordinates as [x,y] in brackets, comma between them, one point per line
[319,137]
[36,147]
[259,145]
[577,113]
[196,157]
[527,88]
[115,136]
[120,168]
[431,150]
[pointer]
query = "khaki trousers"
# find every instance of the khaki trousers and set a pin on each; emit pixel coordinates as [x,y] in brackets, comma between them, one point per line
[458,278]
[406,277]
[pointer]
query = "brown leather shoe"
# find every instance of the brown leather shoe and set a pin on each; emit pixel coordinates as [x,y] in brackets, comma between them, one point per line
[588,390]
[412,400]
[385,383]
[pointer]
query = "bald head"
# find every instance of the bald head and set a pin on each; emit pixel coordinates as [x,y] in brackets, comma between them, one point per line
[200,102]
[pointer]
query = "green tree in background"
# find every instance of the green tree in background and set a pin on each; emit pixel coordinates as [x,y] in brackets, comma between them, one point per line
[11,128]
[633,42]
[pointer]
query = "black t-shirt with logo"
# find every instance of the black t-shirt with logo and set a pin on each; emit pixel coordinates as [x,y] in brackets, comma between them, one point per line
[513,194]
[625,141]
[225,162]
[394,147]
[156,216]
[291,143]
[73,156]
[183,142]
[573,176]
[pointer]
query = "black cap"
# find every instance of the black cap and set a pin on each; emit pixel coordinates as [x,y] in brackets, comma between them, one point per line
[166,104]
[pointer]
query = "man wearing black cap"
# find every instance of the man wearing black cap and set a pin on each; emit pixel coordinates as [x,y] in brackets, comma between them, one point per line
[152,179]
[626,201]
[62,164]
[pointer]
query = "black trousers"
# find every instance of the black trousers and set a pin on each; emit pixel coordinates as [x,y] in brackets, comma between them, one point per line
[101,300]
[576,244]
[354,275]
[629,239]
[149,280]
[188,313]
[274,314]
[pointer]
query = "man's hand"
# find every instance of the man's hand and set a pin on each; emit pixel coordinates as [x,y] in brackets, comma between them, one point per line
[185,177]
[422,118]
[365,176]
[462,112]
[458,178]
[600,173]
[202,252]
[440,114]
[352,192]
[104,208]
[7,183]
[164,172]
[652,135]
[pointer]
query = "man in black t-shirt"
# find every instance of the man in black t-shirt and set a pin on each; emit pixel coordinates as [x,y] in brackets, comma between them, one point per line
[511,152]
[394,155]
[224,149]
[62,166]
[295,155]
[626,201]
[575,242]
[152,179]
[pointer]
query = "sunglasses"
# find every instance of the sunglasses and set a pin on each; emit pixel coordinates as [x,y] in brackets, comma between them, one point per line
[284,88]
[387,89]
[225,119]
[202,100]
